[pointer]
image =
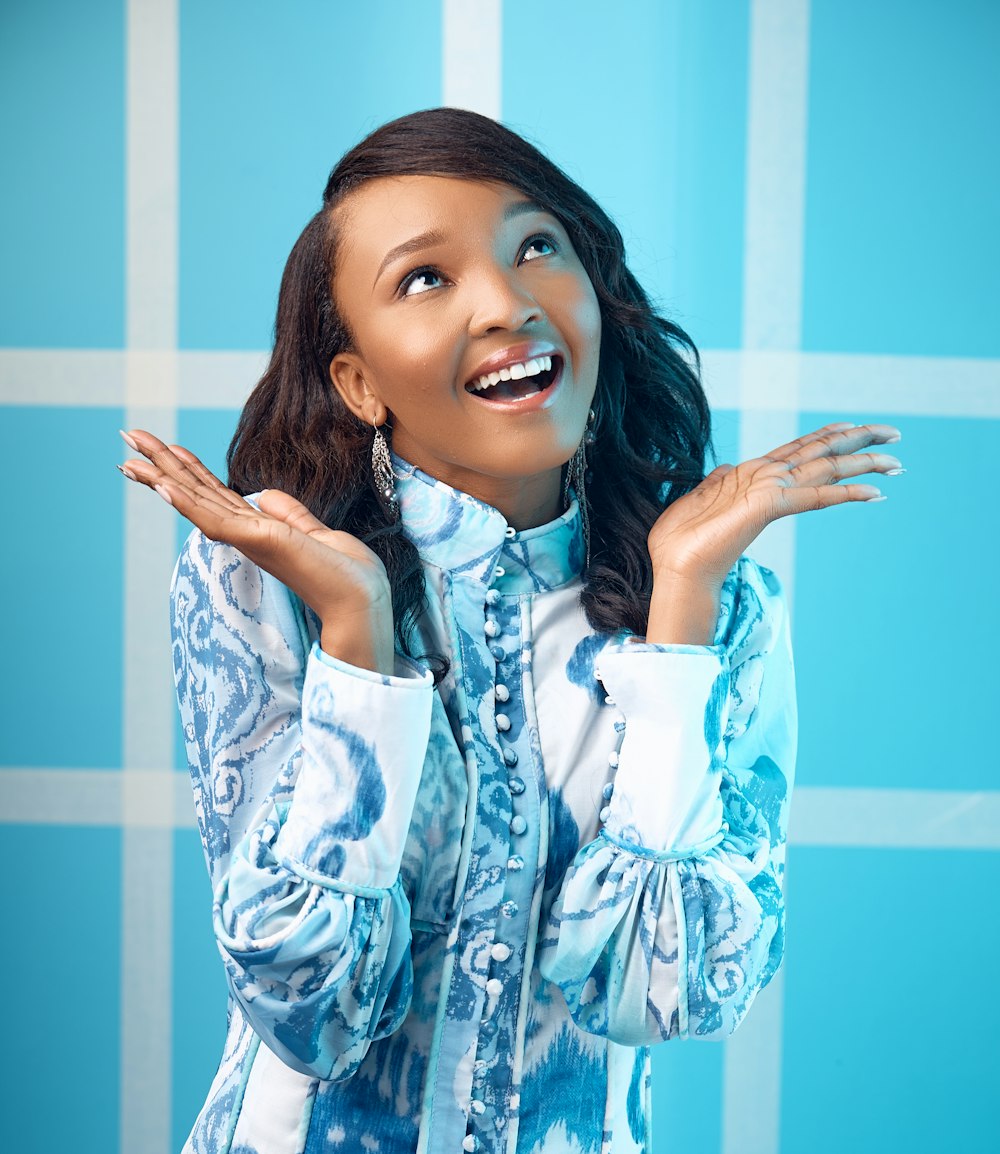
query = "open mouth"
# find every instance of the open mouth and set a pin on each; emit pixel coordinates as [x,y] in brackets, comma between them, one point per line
[515,382]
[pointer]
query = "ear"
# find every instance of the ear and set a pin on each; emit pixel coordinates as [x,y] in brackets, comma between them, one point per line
[350,377]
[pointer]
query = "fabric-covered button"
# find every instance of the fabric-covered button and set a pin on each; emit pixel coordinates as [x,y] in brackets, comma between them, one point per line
[605,813]
[518,824]
[613,759]
[499,951]
[509,909]
[510,755]
[470,1142]
[491,628]
[607,791]
[492,596]
[494,987]
[501,692]
[516,786]
[497,652]
[515,862]
[503,722]
[477,1107]
[609,701]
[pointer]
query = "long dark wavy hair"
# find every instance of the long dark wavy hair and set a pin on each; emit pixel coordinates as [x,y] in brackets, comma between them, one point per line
[652,421]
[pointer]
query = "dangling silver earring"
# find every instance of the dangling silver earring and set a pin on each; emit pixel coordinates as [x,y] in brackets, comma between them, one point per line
[385,482]
[576,478]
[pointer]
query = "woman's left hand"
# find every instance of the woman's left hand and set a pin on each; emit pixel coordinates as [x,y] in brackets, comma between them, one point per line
[697,540]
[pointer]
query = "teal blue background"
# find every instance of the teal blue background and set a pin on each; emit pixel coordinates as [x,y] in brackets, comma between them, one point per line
[888,1011]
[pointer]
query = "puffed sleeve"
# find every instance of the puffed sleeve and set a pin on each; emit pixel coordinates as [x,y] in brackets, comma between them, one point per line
[669,922]
[305,774]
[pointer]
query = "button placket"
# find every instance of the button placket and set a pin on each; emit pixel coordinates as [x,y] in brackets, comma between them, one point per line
[608,791]
[501,630]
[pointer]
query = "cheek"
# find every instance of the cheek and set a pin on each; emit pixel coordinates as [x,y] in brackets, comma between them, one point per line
[413,364]
[586,312]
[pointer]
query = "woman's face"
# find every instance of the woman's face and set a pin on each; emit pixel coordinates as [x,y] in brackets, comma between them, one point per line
[446,285]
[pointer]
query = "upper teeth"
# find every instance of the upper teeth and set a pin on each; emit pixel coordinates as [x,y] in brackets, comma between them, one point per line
[513,373]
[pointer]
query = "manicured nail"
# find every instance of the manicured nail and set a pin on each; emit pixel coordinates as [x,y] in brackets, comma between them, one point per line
[129,441]
[163,493]
[895,472]
[893,439]
[126,472]
[874,500]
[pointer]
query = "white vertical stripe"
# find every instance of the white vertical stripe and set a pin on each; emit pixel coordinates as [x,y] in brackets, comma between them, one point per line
[769,396]
[147,738]
[776,168]
[472,55]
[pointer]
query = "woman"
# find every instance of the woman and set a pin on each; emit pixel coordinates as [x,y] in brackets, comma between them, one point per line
[491,737]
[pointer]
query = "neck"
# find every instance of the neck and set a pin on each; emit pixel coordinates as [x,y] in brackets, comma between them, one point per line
[525,502]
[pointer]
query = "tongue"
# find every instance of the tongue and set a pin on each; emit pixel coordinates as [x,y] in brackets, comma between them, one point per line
[511,390]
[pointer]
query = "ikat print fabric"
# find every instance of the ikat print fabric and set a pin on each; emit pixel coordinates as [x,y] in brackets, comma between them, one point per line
[455,918]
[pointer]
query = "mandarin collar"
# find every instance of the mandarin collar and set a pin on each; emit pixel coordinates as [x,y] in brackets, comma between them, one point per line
[468,538]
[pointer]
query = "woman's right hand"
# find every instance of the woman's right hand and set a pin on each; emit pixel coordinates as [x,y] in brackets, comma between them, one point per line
[340,578]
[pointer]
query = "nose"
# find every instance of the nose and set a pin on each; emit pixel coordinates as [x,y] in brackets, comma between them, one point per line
[501,300]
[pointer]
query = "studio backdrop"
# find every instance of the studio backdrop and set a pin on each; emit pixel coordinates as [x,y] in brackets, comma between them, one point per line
[809,187]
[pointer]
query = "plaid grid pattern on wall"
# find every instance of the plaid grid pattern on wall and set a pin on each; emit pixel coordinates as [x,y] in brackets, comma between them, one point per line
[807,186]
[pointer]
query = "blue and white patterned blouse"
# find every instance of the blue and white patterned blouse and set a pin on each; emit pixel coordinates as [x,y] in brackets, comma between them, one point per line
[455,918]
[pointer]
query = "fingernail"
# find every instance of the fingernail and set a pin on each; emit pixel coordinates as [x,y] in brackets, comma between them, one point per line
[895,472]
[126,472]
[129,441]
[163,493]
[873,500]
[892,440]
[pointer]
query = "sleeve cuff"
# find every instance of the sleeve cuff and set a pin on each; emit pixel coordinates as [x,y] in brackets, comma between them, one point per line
[364,739]
[675,702]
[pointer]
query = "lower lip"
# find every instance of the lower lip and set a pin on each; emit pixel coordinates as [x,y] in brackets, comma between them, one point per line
[534,401]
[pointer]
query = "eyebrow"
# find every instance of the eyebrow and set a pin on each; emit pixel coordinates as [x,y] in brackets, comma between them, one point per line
[434,236]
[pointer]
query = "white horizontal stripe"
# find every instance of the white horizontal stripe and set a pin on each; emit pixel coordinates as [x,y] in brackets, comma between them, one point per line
[85,378]
[821,815]
[852,382]
[218,380]
[157,798]
[895,818]
[61,796]
[756,381]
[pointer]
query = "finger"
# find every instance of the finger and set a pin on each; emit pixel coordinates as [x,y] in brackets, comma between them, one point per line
[178,468]
[201,506]
[809,498]
[285,508]
[205,475]
[786,450]
[839,437]
[839,442]
[828,470]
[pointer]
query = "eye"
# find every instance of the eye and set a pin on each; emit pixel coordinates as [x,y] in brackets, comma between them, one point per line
[544,243]
[419,281]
